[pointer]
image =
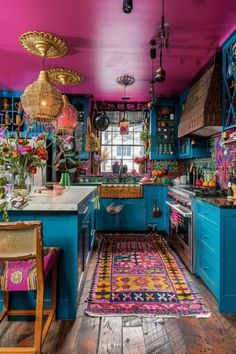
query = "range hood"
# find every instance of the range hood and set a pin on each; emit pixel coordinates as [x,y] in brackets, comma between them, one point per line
[202,110]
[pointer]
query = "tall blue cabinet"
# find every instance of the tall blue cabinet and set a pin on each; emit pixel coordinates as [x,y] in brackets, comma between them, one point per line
[229,82]
[163,129]
[215,260]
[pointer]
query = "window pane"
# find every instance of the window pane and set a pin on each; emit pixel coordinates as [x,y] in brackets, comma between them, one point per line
[117,138]
[122,148]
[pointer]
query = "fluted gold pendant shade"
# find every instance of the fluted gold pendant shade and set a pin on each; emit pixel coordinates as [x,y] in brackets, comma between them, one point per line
[42,101]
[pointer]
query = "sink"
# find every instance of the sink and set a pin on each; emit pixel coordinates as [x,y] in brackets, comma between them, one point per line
[121,191]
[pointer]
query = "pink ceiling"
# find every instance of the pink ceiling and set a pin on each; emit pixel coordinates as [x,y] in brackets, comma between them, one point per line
[105,43]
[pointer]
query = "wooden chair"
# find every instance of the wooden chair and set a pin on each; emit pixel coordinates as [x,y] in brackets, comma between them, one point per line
[24,265]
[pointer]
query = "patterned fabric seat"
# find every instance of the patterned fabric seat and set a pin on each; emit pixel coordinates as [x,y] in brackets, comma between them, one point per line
[22,275]
[24,266]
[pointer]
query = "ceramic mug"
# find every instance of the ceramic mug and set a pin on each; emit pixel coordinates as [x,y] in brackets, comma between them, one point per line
[5,103]
[58,189]
[6,118]
[18,119]
[19,107]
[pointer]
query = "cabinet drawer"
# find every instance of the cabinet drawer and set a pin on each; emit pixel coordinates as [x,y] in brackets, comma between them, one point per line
[208,236]
[207,269]
[207,212]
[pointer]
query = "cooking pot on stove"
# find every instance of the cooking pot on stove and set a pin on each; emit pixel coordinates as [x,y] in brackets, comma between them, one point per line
[101,121]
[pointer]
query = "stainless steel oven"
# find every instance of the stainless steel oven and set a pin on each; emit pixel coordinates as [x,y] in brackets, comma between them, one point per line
[181,225]
[181,232]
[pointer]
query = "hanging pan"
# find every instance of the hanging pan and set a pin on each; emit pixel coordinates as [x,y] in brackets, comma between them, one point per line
[101,121]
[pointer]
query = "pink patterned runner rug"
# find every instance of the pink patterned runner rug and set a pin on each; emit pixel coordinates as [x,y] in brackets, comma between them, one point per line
[137,274]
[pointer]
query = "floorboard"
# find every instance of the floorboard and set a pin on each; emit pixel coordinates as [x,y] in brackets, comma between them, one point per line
[131,335]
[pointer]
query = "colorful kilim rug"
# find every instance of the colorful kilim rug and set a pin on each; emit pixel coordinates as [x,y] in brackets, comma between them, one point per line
[137,274]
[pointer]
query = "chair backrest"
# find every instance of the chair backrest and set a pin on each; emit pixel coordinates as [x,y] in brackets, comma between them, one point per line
[20,240]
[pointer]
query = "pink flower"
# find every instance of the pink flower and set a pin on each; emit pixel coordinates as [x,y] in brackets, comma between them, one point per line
[22,150]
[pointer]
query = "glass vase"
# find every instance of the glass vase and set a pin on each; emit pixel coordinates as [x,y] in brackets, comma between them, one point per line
[22,182]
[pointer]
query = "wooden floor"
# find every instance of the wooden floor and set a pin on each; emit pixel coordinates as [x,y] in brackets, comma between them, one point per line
[131,335]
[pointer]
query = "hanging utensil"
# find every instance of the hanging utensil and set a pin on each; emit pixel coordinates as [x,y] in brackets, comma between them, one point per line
[156,211]
[101,121]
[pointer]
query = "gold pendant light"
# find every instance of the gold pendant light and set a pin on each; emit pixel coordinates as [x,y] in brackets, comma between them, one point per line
[65,76]
[41,100]
[44,44]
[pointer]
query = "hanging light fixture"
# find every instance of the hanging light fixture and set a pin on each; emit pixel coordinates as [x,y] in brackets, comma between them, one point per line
[41,100]
[152,81]
[67,121]
[162,41]
[160,74]
[64,76]
[127,6]
[125,80]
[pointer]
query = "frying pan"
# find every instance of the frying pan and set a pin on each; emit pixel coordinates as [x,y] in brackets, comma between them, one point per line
[101,121]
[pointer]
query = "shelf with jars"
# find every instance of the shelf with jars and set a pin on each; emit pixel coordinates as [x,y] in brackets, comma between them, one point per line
[229,80]
[163,129]
[11,111]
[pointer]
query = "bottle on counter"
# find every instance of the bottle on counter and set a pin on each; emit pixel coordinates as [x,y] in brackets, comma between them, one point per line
[230,193]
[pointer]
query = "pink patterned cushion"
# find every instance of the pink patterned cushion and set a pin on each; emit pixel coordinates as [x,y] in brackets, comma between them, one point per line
[21,275]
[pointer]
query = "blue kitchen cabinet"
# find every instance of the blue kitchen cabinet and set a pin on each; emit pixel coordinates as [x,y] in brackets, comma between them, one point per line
[163,129]
[131,217]
[155,196]
[105,220]
[193,147]
[215,244]
[228,83]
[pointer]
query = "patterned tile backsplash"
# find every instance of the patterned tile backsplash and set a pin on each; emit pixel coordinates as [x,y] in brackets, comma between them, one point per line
[224,160]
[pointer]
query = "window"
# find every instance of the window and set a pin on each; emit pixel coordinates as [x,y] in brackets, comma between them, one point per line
[122,148]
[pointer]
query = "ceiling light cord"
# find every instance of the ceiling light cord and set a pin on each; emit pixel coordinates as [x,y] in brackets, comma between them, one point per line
[163,17]
[161,56]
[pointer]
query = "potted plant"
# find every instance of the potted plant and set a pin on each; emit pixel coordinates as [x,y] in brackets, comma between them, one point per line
[145,137]
[116,167]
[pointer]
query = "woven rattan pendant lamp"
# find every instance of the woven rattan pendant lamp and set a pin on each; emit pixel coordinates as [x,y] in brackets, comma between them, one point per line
[41,100]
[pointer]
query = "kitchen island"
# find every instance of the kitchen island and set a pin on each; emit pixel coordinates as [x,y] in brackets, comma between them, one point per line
[68,222]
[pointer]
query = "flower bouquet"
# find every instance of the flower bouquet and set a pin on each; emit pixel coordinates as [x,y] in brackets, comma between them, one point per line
[19,158]
[141,161]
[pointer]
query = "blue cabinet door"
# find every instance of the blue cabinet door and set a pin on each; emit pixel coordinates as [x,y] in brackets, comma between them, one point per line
[133,215]
[228,83]
[82,106]
[105,220]
[163,130]
[193,147]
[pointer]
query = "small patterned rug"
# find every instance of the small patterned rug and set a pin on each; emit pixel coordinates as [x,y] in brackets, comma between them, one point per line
[137,274]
